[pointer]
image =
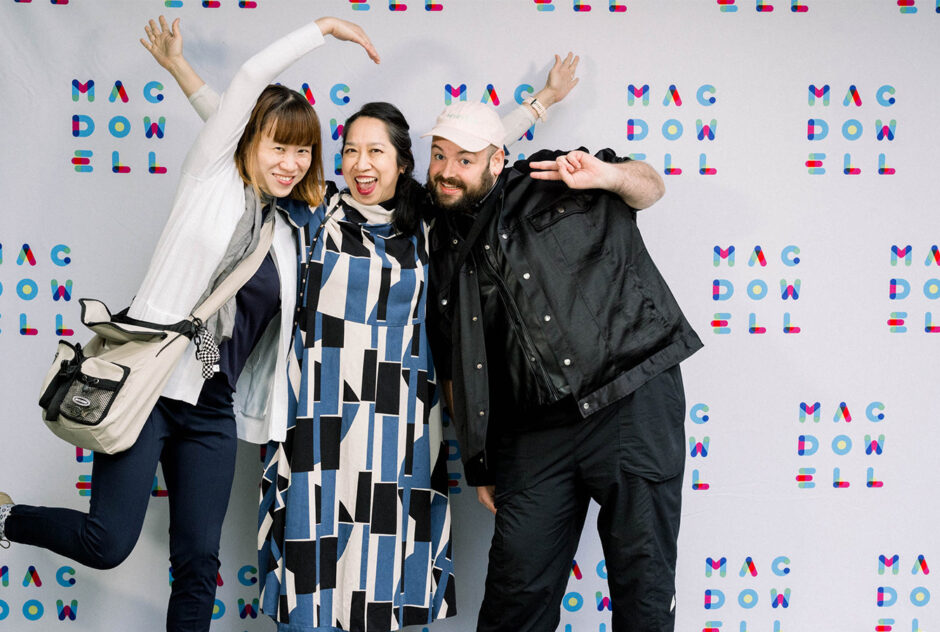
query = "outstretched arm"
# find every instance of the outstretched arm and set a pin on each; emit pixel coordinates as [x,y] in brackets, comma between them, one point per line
[634,181]
[561,79]
[216,143]
[166,46]
[165,43]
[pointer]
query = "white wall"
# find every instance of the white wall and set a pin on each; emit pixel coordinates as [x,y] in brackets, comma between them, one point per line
[821,544]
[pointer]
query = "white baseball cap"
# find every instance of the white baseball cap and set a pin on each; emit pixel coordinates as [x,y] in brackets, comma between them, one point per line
[472,126]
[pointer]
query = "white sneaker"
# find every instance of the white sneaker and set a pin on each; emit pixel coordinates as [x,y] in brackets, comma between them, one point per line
[6,504]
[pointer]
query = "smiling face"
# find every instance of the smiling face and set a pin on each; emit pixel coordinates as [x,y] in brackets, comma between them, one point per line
[458,179]
[278,167]
[370,162]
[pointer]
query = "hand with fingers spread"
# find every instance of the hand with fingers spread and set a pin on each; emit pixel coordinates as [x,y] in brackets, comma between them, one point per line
[165,43]
[348,32]
[561,79]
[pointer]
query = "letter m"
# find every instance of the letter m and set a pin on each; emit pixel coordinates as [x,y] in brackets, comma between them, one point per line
[778,600]
[884,562]
[83,88]
[810,409]
[816,93]
[634,93]
[450,92]
[711,566]
[722,253]
[906,252]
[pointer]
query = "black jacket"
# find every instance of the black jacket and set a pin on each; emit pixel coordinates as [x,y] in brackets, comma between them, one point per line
[583,294]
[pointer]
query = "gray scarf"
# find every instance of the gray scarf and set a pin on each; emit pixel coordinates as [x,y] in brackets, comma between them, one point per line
[244,241]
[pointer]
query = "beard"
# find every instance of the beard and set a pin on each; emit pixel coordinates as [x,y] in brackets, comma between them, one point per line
[472,194]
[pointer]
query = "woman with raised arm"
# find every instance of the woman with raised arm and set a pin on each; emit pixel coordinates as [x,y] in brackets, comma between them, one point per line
[256,156]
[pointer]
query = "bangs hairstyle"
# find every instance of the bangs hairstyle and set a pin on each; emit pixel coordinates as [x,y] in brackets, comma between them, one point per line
[287,116]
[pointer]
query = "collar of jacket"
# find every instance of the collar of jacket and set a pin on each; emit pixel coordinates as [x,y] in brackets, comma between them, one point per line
[297,212]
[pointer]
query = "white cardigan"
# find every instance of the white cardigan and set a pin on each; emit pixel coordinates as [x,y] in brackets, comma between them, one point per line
[209,201]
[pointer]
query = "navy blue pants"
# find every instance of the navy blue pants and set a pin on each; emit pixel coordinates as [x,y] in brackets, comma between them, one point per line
[629,458]
[196,445]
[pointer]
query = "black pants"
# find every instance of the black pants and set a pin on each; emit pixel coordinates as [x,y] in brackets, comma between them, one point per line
[196,446]
[629,458]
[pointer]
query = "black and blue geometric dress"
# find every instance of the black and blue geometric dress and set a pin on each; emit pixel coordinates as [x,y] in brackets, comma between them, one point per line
[355,530]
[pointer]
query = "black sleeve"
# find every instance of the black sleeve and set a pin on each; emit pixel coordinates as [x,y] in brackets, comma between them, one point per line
[439,317]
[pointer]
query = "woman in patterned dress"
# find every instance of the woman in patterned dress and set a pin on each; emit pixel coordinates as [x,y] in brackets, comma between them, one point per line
[355,520]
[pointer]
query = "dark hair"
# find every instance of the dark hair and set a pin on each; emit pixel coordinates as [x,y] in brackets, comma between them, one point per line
[411,195]
[289,118]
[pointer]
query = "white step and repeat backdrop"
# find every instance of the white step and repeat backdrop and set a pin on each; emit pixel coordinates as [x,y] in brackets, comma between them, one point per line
[798,141]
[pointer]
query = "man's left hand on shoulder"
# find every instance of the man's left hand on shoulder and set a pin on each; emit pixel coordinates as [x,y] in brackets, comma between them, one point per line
[578,169]
[635,182]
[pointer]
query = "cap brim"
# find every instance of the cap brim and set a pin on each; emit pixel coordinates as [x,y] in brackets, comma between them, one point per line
[462,139]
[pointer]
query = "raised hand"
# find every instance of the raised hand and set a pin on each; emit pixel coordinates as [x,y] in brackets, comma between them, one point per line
[348,32]
[561,79]
[165,43]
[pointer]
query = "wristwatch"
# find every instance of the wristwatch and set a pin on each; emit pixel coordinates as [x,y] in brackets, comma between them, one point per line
[540,110]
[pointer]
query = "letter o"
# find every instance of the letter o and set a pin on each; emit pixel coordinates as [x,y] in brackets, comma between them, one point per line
[33,610]
[932,289]
[842,445]
[119,126]
[757,289]
[852,129]
[672,129]
[572,602]
[748,599]
[27,289]
[920,596]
